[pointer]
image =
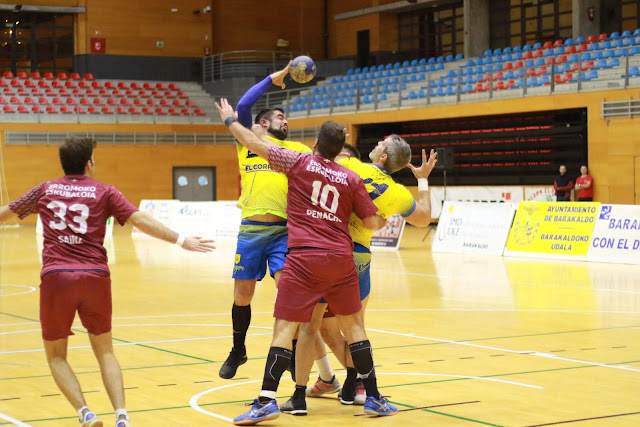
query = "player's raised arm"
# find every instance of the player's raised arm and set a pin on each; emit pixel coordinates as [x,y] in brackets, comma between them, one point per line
[154,228]
[242,134]
[22,207]
[253,94]
[421,216]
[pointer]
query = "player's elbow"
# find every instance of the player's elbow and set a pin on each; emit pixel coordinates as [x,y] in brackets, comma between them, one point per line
[374,222]
[420,218]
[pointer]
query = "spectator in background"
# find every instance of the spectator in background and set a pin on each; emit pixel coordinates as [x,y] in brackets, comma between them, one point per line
[563,185]
[584,185]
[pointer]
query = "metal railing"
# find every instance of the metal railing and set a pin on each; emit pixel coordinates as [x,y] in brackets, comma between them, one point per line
[372,97]
[621,109]
[244,63]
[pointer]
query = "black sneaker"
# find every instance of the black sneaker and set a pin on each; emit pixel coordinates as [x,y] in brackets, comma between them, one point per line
[347,395]
[230,366]
[294,407]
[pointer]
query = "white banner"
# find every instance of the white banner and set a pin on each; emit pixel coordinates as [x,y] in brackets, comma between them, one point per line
[480,228]
[216,220]
[540,194]
[511,194]
[616,235]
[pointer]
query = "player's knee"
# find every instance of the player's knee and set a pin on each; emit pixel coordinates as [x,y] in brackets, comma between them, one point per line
[243,292]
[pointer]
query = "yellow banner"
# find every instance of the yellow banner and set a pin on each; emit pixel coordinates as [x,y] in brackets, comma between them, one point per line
[553,228]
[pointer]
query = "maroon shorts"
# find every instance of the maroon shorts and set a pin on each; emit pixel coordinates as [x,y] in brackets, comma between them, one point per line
[312,274]
[63,293]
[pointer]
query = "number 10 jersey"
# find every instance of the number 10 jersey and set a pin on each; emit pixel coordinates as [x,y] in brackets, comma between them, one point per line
[74,211]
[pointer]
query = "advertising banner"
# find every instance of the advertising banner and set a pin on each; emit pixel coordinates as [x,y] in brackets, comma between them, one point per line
[540,194]
[389,236]
[467,227]
[552,230]
[616,235]
[511,194]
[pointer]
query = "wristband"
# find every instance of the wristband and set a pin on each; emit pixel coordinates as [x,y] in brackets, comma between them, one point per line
[423,184]
[229,120]
[180,240]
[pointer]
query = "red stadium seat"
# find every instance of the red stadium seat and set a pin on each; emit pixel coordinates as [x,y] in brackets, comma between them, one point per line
[77,92]
[190,103]
[75,76]
[57,101]
[121,110]
[49,92]
[199,112]
[547,45]
[84,101]
[62,76]
[151,102]
[147,86]
[49,76]
[135,86]
[8,109]
[163,103]
[518,64]
[122,85]
[591,39]
[160,86]
[173,87]
[147,111]
[498,76]
[160,112]
[571,49]
[510,84]
[143,94]
[71,101]
[558,43]
[560,78]
[43,84]
[70,85]
[63,92]
[22,91]
[185,112]
[133,110]
[35,75]
[22,75]
[156,94]
[93,110]
[7,75]
[98,101]
[16,83]
[65,110]
[173,112]
[109,85]
[106,110]
[111,101]
[15,100]
[543,70]
[129,94]
[125,101]
[96,85]
[56,84]
[51,110]
[23,110]
[83,85]
[116,93]
[138,101]
[104,93]
[177,103]
[588,65]
[8,91]
[79,110]
[582,48]
[29,83]
[29,100]
[36,92]
[88,76]
[508,66]
[36,109]
[538,53]
[169,94]
[43,101]
[3,83]
[602,37]
[182,95]
[2,100]
[560,59]
[90,92]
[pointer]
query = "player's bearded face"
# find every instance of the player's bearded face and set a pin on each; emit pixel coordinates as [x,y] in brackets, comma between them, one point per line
[278,128]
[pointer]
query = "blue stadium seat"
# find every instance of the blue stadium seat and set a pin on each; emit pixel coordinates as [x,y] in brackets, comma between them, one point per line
[530,63]
[395,72]
[539,62]
[423,61]
[324,104]
[586,56]
[431,68]
[628,42]
[580,40]
[412,95]
[422,93]
[352,92]
[507,57]
[520,73]
[431,60]
[351,101]
[394,80]
[405,64]
[414,63]
[574,57]
[548,52]
[519,84]
[592,75]
[404,79]
[621,52]
[568,42]
[486,69]
[440,60]
[389,66]
[470,63]
[412,78]
[609,53]
[423,69]
[634,72]
[350,71]
[509,75]
[397,65]
[439,67]
[326,97]
[527,47]
[449,58]
[421,77]
[616,43]
[497,51]
[636,32]
[485,60]
[459,57]
[517,56]
[451,73]
[605,44]
[634,51]
[451,91]
[496,58]
[533,82]
[487,52]
[594,46]
[440,92]
[357,71]
[365,69]
[626,33]
[537,46]
[545,80]
[497,67]
[384,89]
[477,70]
[614,62]
[316,89]
[559,50]
[449,82]
[602,63]
[466,88]
[506,50]
[597,55]
[517,49]
[382,97]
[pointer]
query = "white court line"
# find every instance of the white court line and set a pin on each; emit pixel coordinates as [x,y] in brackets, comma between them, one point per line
[193,402]
[29,290]
[144,325]
[122,344]
[506,350]
[473,279]
[13,420]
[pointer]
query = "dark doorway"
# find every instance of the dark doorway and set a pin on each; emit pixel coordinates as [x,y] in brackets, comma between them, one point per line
[363,48]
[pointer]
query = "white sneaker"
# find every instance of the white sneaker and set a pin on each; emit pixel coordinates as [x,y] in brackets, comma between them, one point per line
[89,419]
[361,394]
[123,421]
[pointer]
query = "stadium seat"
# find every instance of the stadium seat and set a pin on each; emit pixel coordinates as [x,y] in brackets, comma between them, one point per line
[21,75]
[160,112]
[69,84]
[62,76]
[109,85]
[79,110]
[174,112]
[65,110]
[36,109]
[29,100]
[199,112]
[8,75]
[56,84]
[30,84]
[602,37]
[121,110]
[133,110]
[15,83]
[93,110]
[51,110]
[123,86]
[591,39]
[75,76]
[160,86]
[8,109]
[88,76]
[537,46]
[621,52]
[634,72]
[106,110]
[547,45]
[616,43]
[626,33]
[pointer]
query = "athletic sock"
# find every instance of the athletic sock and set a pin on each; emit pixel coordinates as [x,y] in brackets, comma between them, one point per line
[277,362]
[324,368]
[241,316]
[300,393]
[81,411]
[350,382]
[120,412]
[362,356]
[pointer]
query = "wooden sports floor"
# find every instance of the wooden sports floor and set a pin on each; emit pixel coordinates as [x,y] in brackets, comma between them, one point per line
[458,340]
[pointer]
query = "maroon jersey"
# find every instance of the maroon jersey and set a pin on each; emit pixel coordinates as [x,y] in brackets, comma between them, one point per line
[322,195]
[74,211]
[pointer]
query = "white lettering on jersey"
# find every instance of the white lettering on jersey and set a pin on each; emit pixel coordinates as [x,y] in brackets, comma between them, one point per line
[70,240]
[332,175]
[323,215]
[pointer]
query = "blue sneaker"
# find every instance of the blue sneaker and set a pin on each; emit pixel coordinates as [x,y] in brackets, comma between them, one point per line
[259,412]
[379,407]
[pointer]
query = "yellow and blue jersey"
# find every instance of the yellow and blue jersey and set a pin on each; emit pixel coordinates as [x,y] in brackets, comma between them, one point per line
[389,197]
[263,190]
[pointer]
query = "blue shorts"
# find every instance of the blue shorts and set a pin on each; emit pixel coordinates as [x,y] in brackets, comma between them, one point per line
[260,243]
[362,259]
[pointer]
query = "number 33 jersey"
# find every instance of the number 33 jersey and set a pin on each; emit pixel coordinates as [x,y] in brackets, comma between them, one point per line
[74,211]
[322,196]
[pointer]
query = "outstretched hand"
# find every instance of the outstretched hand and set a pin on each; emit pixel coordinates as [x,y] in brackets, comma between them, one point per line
[427,165]
[226,110]
[278,77]
[198,244]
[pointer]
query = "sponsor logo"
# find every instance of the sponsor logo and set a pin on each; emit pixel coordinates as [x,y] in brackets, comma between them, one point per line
[605,212]
[238,256]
